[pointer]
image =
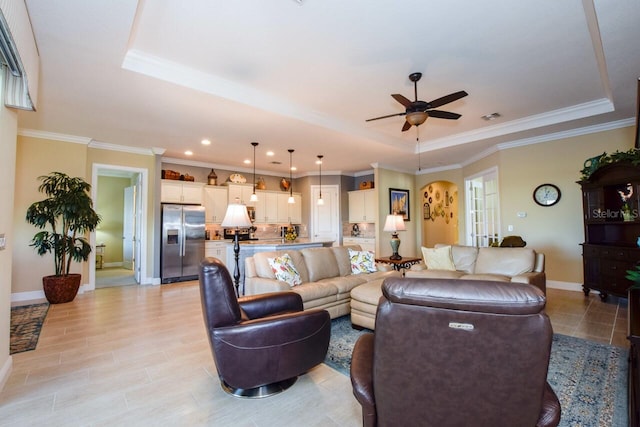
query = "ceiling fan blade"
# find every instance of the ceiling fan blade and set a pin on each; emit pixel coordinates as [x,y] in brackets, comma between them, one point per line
[384,117]
[443,114]
[406,126]
[448,98]
[401,99]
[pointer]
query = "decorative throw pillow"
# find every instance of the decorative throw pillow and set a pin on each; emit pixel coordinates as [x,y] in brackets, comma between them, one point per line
[284,269]
[438,259]
[362,262]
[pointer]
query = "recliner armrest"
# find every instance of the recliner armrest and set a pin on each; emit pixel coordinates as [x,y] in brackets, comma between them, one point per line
[261,305]
[362,378]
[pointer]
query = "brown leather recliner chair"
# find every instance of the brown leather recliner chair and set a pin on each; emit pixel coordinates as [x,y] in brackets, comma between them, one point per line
[451,352]
[261,343]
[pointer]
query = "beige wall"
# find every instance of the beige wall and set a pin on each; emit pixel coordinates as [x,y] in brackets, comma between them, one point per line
[110,207]
[384,180]
[557,230]
[37,157]
[438,228]
[8,131]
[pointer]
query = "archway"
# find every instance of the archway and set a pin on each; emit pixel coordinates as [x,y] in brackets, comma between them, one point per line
[440,204]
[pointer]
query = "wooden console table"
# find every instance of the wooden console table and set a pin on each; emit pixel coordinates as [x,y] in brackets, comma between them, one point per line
[399,264]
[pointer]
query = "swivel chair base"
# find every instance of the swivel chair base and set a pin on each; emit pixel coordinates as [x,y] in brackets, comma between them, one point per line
[260,391]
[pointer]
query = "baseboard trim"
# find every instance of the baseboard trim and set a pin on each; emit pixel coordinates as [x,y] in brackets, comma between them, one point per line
[27,296]
[5,372]
[112,264]
[565,286]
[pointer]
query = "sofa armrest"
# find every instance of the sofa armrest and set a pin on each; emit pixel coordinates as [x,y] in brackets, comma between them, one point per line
[262,305]
[362,378]
[262,285]
[536,279]
[384,267]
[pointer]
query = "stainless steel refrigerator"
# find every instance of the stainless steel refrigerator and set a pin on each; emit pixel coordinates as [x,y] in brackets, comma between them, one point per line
[183,237]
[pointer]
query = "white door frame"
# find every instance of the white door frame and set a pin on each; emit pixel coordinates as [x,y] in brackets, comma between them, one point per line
[144,191]
[490,209]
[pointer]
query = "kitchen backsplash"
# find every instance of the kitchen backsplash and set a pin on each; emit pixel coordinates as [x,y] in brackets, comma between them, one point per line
[364,229]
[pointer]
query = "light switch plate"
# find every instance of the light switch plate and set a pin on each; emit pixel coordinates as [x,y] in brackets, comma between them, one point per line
[3,242]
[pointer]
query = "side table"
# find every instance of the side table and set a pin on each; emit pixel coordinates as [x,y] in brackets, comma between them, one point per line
[399,264]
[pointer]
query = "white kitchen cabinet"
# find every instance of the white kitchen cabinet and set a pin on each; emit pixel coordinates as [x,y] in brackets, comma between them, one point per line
[240,193]
[266,207]
[363,206]
[216,249]
[295,210]
[215,203]
[367,244]
[181,192]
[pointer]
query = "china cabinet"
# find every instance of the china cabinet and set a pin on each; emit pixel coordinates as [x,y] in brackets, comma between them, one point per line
[611,227]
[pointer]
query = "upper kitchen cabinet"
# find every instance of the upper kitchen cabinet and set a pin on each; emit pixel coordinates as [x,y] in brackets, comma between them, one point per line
[240,193]
[181,192]
[289,212]
[266,207]
[363,206]
[215,203]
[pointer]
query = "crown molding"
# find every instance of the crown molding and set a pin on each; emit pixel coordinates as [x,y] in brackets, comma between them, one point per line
[121,148]
[32,133]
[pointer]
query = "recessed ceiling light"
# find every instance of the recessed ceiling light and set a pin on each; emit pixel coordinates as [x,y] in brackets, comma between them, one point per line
[489,117]
[293,168]
[188,153]
[269,153]
[247,161]
[205,142]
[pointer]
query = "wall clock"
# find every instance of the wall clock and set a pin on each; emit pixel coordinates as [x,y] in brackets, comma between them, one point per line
[546,194]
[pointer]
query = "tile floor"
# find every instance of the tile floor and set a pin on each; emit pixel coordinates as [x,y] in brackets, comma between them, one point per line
[138,355]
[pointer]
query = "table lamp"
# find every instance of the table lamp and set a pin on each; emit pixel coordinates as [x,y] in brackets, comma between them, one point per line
[236,217]
[394,223]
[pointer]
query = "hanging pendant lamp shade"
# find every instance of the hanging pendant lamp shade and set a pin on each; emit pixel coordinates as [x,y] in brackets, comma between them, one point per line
[320,200]
[254,196]
[291,200]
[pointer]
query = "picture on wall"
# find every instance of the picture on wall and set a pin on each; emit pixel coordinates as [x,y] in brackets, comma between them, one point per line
[399,202]
[427,210]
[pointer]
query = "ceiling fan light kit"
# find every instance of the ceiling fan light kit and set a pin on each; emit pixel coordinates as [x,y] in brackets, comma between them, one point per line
[417,112]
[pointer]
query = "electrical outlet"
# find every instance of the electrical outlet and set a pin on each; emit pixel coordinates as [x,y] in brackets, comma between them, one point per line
[509,227]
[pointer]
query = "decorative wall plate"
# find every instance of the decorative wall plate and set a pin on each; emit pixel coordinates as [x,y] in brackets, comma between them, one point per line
[236,178]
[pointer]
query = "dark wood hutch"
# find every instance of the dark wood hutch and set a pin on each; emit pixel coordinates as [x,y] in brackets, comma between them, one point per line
[611,241]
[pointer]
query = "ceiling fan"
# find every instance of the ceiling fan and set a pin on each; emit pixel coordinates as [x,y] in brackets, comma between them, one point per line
[417,112]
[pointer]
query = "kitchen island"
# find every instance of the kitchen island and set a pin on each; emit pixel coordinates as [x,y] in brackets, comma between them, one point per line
[250,247]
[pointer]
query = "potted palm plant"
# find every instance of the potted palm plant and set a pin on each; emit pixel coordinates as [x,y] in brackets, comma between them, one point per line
[68,214]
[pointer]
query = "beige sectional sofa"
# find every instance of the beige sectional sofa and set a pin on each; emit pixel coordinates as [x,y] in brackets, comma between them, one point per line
[325,274]
[522,265]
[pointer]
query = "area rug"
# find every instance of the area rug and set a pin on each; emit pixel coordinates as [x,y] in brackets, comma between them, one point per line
[589,378]
[26,324]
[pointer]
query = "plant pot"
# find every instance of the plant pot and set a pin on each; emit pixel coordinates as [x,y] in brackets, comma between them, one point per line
[61,289]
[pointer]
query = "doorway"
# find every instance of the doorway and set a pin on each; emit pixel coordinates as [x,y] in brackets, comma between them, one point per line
[118,242]
[483,208]
[440,207]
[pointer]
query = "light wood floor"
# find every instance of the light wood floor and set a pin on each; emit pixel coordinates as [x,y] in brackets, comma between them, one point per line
[138,356]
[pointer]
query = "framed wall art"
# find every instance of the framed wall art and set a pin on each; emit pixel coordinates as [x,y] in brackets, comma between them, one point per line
[399,202]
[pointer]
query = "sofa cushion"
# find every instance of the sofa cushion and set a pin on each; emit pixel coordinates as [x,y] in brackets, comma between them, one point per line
[438,258]
[321,263]
[284,270]
[493,277]
[342,257]
[362,262]
[464,257]
[263,269]
[434,274]
[505,261]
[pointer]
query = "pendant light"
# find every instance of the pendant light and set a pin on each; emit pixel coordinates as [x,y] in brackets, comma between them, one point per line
[320,200]
[291,200]
[254,196]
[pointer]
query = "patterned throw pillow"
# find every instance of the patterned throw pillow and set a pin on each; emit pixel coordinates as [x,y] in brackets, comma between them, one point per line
[438,259]
[362,262]
[284,270]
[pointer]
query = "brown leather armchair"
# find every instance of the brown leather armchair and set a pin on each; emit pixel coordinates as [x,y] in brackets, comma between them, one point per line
[261,343]
[451,352]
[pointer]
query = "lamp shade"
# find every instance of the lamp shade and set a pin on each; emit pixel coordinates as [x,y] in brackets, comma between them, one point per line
[236,216]
[394,223]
